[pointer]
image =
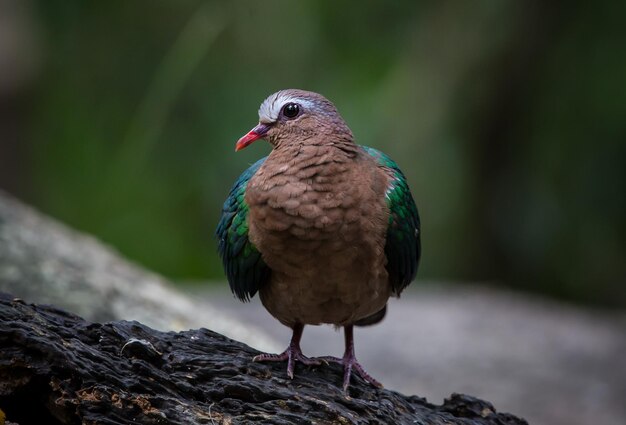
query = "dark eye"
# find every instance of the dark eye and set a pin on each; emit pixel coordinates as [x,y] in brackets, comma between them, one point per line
[291,110]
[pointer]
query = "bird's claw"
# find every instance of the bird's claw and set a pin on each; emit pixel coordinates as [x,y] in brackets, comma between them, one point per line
[291,354]
[350,363]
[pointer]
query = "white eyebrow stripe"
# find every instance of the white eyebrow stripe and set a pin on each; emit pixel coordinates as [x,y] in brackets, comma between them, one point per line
[271,107]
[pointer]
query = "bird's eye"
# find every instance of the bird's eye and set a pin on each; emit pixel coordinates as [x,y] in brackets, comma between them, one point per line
[291,110]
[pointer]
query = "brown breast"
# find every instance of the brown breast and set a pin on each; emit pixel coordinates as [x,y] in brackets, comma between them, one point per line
[318,216]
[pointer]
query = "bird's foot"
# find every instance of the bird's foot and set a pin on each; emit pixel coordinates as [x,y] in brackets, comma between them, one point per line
[291,354]
[350,363]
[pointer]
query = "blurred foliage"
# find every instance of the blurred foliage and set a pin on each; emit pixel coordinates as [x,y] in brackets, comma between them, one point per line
[509,119]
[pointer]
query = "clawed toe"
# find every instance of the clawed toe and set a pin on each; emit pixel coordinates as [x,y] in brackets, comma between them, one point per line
[350,364]
[291,354]
[267,357]
[309,361]
[362,373]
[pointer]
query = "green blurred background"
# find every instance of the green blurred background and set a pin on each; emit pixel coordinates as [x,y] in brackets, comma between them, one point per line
[509,119]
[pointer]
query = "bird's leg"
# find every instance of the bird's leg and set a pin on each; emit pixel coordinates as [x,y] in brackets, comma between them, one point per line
[350,362]
[291,354]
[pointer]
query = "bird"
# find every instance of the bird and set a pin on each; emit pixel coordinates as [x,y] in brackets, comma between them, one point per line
[324,229]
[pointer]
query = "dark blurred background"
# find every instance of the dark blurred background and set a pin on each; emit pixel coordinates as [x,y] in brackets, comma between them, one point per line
[509,119]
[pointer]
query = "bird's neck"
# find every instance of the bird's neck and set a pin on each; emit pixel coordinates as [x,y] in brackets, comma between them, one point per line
[321,151]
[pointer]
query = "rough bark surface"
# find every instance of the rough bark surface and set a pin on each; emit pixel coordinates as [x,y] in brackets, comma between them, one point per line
[44,261]
[56,368]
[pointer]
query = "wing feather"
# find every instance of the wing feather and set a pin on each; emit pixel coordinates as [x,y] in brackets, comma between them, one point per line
[245,269]
[403,245]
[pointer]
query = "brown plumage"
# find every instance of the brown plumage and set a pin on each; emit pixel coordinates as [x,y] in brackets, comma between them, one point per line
[318,214]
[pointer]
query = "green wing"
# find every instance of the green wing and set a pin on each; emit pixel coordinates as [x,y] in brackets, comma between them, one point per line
[245,269]
[403,246]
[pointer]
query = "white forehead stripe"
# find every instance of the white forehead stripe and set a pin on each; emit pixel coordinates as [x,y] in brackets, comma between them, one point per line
[271,107]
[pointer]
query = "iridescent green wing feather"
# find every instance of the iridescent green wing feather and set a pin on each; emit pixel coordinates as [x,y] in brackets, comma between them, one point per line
[402,246]
[245,269]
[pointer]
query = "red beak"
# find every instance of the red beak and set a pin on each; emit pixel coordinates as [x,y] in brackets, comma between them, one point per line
[258,132]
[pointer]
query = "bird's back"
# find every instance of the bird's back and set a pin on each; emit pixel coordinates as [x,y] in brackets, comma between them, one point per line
[317,214]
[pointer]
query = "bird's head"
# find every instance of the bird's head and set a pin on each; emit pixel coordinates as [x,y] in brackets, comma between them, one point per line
[293,116]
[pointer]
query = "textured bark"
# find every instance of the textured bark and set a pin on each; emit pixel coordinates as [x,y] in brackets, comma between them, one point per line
[44,261]
[56,368]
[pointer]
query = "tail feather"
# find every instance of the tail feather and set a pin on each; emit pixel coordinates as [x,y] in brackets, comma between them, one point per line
[372,319]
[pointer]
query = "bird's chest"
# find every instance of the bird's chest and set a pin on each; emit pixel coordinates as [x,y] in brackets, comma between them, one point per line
[302,217]
[322,233]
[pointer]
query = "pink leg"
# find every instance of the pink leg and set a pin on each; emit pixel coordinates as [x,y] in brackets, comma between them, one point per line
[350,362]
[292,354]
